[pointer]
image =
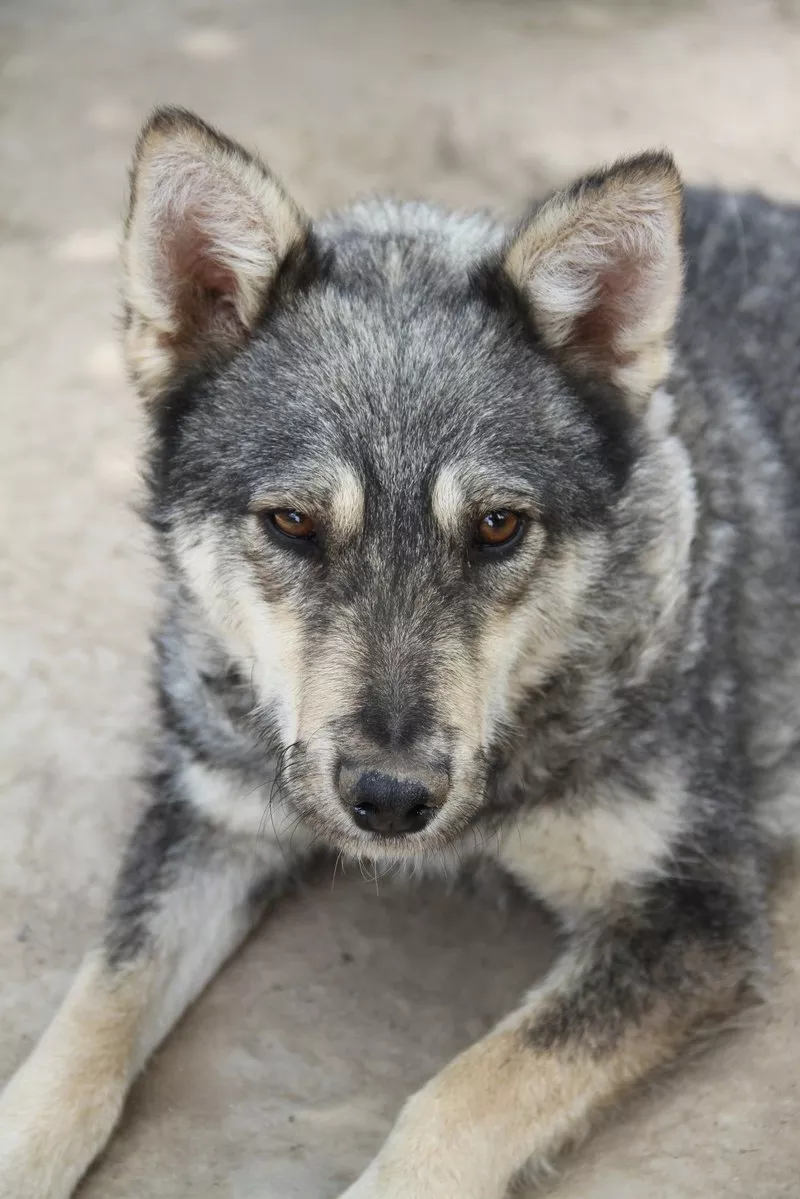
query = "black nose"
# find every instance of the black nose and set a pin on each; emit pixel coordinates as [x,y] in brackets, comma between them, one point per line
[383,804]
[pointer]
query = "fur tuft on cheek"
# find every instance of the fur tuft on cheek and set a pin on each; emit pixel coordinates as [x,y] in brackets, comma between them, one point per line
[523,648]
[263,637]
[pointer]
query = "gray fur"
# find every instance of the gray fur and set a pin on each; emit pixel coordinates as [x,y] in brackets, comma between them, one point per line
[393,361]
[662,711]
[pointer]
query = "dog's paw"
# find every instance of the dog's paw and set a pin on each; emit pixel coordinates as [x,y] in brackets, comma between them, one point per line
[371,1186]
[27,1168]
[421,1159]
[399,1176]
[48,1136]
[374,1185]
[22,1168]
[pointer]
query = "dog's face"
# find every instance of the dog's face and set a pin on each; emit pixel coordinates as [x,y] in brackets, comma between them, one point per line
[389,453]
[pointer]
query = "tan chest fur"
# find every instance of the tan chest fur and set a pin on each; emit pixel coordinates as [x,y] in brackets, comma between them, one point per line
[576,860]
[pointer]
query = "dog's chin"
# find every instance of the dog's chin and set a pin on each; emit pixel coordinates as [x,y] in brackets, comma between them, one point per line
[331,826]
[415,847]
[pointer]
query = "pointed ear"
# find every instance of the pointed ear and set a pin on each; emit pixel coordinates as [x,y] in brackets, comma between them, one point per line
[208,228]
[600,267]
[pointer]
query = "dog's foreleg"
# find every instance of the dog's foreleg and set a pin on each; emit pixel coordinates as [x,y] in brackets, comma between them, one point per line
[187,895]
[622,1003]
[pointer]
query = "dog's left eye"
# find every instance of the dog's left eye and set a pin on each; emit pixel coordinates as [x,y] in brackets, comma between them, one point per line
[497,530]
[291,523]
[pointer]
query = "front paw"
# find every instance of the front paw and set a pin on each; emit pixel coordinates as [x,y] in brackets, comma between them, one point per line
[387,1183]
[396,1182]
[364,1187]
[439,1148]
[419,1167]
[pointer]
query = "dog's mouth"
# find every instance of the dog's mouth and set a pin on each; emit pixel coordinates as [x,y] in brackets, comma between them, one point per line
[441,835]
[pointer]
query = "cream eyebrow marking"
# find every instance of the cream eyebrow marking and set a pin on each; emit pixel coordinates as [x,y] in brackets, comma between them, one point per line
[447,499]
[347,501]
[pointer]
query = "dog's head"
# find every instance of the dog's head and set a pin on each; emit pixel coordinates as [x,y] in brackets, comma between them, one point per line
[390,447]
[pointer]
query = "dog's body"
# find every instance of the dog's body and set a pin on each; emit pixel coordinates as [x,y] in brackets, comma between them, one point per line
[449,572]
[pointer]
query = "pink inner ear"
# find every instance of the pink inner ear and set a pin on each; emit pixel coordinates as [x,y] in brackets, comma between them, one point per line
[216,279]
[203,289]
[192,260]
[620,295]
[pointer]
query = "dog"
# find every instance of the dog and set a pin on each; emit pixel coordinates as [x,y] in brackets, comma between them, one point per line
[475,542]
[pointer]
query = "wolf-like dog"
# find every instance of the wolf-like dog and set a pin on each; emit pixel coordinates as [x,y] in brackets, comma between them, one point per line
[475,541]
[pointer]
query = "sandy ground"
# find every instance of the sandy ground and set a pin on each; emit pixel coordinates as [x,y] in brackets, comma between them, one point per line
[285,1076]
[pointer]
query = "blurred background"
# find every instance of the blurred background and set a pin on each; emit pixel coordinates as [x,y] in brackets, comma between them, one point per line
[285,1077]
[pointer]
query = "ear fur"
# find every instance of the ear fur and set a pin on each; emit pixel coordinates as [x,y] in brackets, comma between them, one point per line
[600,268]
[208,228]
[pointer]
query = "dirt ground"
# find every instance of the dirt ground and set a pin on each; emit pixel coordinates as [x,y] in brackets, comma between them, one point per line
[283,1079]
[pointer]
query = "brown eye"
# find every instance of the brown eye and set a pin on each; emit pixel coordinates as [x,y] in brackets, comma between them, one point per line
[292,523]
[495,530]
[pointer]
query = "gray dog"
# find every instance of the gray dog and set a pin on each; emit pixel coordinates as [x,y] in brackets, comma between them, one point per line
[459,558]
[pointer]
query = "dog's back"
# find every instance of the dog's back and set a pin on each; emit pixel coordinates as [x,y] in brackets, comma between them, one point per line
[737,384]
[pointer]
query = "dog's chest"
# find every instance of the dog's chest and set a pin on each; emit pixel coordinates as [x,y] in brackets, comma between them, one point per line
[577,859]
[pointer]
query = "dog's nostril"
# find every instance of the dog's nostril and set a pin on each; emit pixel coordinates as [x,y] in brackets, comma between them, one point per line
[365,812]
[372,819]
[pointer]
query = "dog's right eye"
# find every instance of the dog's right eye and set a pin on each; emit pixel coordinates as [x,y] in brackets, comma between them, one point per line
[288,522]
